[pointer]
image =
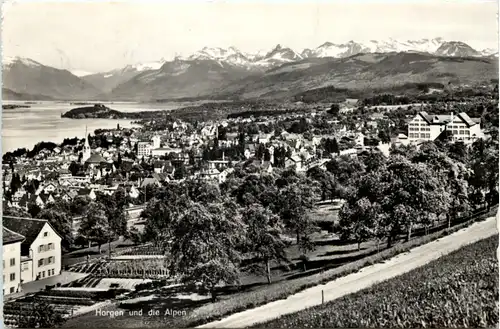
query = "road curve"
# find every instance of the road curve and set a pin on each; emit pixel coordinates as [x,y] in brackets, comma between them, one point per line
[364,278]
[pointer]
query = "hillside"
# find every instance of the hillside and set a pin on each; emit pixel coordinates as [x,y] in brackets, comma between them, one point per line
[25,76]
[107,81]
[179,79]
[364,71]
[11,95]
[433,296]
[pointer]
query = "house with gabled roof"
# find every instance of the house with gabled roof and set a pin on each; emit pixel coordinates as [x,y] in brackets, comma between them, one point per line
[40,252]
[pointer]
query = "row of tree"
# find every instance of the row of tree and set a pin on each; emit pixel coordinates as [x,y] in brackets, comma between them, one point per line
[418,188]
[209,231]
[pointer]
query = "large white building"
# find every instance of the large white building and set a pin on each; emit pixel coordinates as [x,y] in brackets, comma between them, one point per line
[11,261]
[427,127]
[40,252]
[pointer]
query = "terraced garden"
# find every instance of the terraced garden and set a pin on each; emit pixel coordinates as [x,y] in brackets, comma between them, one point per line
[147,249]
[65,304]
[457,290]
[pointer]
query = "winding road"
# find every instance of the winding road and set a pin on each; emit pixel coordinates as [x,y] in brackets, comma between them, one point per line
[364,278]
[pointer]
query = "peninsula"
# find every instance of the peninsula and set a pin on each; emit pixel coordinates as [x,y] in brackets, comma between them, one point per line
[100,111]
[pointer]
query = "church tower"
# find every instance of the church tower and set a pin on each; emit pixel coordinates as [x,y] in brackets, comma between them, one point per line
[86,148]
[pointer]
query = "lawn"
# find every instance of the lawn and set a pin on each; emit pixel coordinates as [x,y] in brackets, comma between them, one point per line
[457,290]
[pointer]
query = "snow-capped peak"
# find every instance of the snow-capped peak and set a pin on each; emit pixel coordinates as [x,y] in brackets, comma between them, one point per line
[489,52]
[80,73]
[8,61]
[215,53]
[146,66]
[282,53]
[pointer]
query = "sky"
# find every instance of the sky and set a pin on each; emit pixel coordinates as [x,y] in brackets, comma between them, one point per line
[98,36]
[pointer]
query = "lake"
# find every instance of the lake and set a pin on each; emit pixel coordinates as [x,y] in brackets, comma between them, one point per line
[24,127]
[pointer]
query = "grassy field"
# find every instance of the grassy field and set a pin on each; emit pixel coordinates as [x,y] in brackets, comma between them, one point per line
[457,290]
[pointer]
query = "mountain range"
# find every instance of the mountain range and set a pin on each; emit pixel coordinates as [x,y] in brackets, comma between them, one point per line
[281,70]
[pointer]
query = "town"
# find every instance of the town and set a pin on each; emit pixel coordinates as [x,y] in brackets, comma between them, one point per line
[239,210]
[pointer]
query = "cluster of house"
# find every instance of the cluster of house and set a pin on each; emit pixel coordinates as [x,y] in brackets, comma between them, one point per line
[58,182]
[32,248]
[31,251]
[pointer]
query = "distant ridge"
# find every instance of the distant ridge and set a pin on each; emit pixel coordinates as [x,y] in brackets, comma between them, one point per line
[215,72]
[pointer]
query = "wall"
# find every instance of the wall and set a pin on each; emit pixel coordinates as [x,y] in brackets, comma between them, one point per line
[52,237]
[12,250]
[27,271]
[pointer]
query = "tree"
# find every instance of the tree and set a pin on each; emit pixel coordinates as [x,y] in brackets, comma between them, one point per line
[62,223]
[263,236]
[34,209]
[384,135]
[345,169]
[257,188]
[296,200]
[95,226]
[161,210]
[180,173]
[484,160]
[409,193]
[358,221]
[119,160]
[203,246]
[115,211]
[79,204]
[334,109]
[74,168]
[15,212]
[452,175]
[373,160]
[39,314]
[325,180]
[15,183]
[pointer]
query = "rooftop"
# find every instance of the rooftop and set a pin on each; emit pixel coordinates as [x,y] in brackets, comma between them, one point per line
[29,227]
[9,236]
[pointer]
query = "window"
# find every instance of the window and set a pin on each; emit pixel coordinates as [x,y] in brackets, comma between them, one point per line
[51,246]
[422,135]
[12,276]
[461,132]
[53,271]
[50,260]
[11,290]
[12,262]
[45,234]
[24,267]
[3,264]
[40,262]
[43,274]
